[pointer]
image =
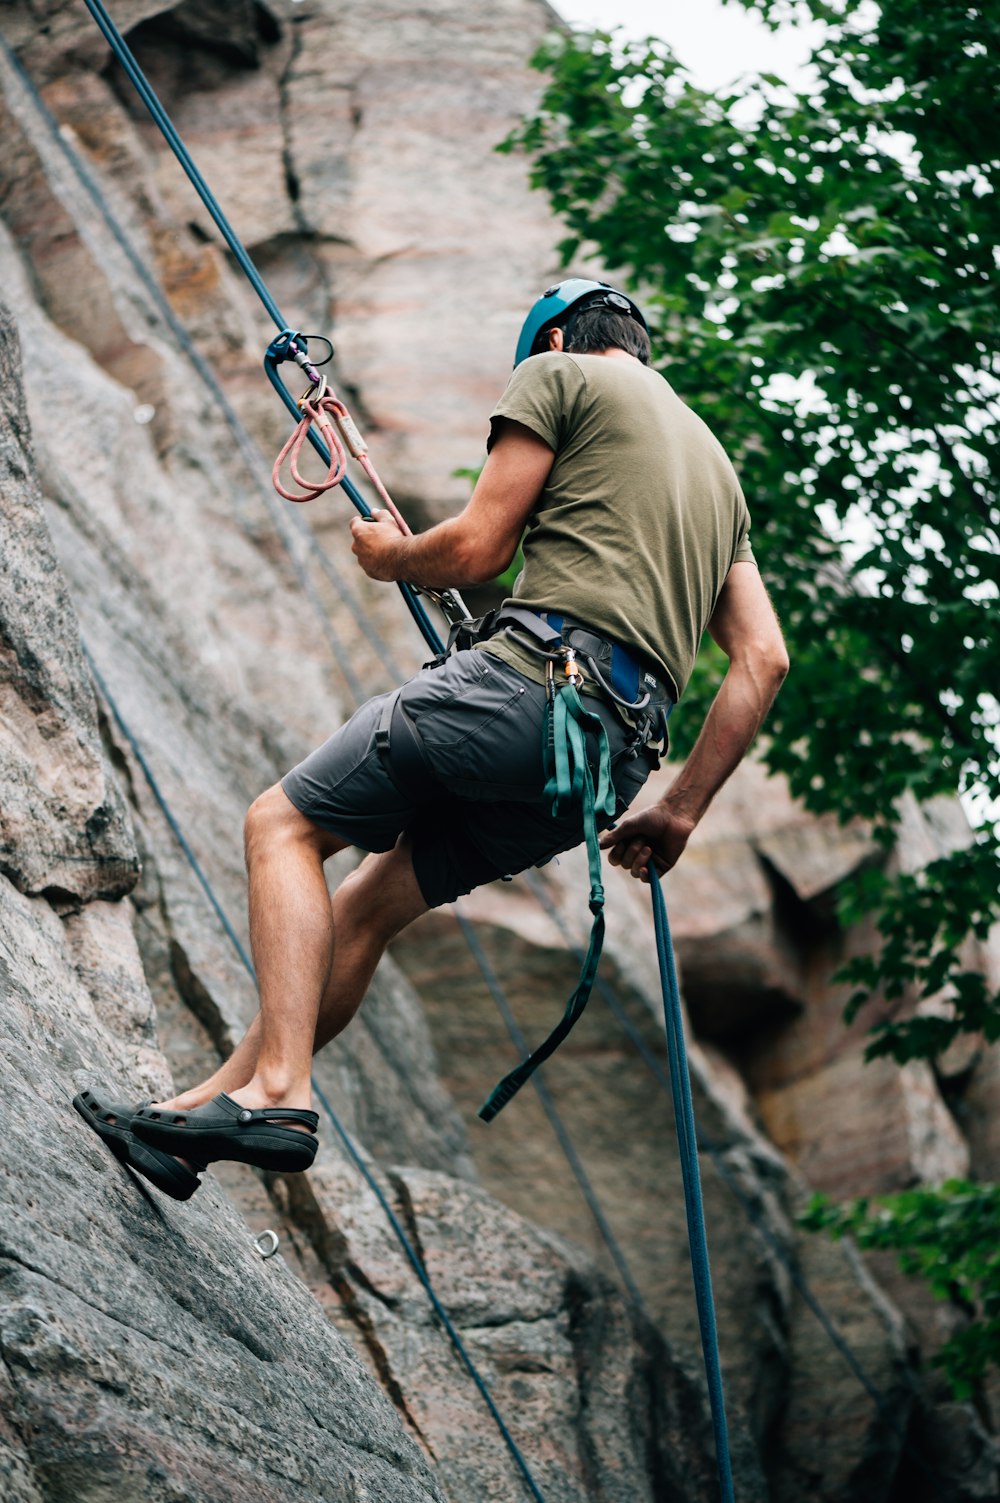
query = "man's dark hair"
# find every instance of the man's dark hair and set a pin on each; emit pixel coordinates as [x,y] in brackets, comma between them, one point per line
[604,329]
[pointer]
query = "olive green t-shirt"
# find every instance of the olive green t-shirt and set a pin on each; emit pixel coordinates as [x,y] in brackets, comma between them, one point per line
[641,517]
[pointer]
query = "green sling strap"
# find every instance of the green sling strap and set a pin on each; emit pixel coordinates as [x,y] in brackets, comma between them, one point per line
[569,784]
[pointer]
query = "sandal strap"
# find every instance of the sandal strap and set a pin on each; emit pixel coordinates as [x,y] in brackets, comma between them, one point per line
[295,1114]
[222,1110]
[273,1114]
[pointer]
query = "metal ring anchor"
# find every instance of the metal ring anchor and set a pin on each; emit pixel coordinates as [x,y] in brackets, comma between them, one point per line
[266,1243]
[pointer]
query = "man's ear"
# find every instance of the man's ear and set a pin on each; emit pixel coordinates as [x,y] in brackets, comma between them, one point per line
[555,339]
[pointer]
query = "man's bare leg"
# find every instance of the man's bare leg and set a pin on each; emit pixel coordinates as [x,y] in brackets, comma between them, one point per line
[369,908]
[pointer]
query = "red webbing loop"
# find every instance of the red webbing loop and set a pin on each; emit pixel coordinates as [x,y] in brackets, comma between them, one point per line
[319,413]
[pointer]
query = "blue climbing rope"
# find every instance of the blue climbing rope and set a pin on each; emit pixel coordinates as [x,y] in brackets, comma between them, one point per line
[569,787]
[412,1257]
[138,79]
[680,1080]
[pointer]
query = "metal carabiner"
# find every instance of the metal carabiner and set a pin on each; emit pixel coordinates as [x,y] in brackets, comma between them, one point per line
[313,396]
[571,667]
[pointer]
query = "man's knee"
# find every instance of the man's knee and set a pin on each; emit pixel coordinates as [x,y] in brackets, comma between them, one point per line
[273,819]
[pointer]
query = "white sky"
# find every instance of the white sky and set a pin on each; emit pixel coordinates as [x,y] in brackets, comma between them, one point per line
[716,42]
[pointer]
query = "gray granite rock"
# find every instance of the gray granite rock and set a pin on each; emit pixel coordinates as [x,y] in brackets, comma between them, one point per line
[63,825]
[148,1351]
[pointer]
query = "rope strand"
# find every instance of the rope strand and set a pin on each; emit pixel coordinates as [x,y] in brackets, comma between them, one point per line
[680,1079]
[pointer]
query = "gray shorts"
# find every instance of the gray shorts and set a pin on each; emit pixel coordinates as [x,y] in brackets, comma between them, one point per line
[480,725]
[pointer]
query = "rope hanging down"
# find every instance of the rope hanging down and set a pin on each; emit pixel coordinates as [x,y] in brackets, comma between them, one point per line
[687,1143]
[569,785]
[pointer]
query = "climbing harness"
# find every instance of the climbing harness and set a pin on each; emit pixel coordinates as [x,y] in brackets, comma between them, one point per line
[643,700]
[569,782]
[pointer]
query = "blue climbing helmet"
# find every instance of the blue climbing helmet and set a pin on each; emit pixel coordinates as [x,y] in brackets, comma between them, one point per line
[556,303]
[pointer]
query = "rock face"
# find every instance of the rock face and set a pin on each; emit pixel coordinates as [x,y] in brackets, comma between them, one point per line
[149,1352]
[64,830]
[146,1351]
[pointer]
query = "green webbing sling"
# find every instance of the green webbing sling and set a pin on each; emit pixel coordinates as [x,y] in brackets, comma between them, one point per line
[569,785]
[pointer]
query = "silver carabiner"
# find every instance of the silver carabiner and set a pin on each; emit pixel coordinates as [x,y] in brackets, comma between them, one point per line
[266,1243]
[314,395]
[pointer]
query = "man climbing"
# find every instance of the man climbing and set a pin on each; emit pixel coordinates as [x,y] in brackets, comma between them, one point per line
[635,537]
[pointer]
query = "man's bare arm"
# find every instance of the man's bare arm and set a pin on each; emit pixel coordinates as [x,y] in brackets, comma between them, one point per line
[478,544]
[747,630]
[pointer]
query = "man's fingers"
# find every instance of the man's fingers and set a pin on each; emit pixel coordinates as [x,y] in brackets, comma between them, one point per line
[640,860]
[634,856]
[375,515]
[623,834]
[624,853]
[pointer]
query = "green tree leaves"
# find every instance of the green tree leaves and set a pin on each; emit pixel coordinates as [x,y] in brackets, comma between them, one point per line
[947,1237]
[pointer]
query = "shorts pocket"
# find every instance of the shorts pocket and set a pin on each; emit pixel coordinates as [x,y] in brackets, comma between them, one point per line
[464,702]
[457,720]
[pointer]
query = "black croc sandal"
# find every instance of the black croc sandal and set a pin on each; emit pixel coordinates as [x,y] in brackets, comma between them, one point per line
[113,1123]
[222,1129]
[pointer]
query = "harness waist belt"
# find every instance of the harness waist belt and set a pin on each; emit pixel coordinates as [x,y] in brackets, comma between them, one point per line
[643,700]
[627,676]
[631,683]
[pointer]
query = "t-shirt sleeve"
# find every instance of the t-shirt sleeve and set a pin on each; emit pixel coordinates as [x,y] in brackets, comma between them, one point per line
[744,552]
[540,394]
